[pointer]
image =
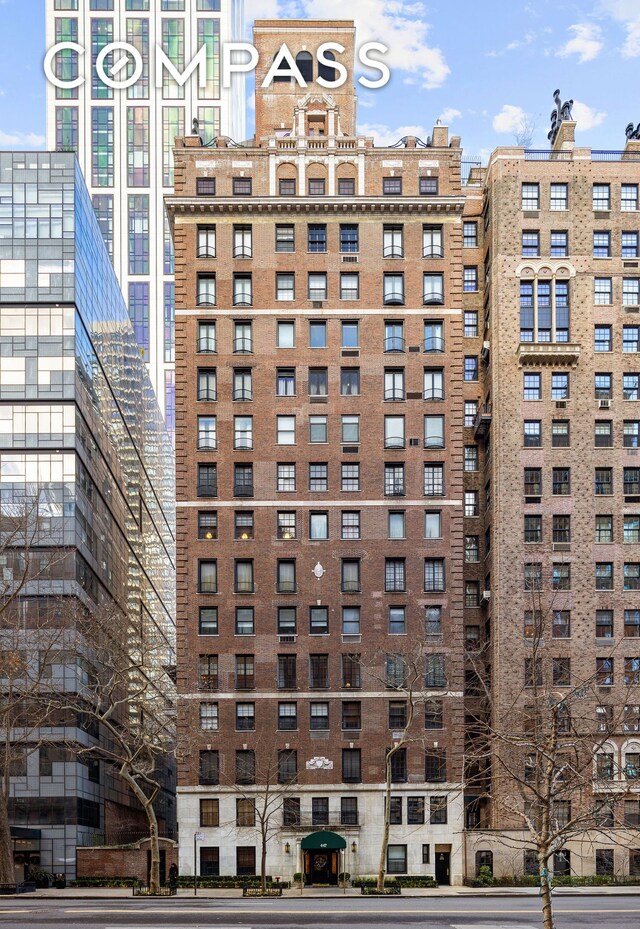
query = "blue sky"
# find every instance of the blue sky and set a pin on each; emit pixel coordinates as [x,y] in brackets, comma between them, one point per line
[483,70]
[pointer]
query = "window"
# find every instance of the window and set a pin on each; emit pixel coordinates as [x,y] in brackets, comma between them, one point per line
[631,433]
[317,334]
[471,594]
[395,671]
[286,576]
[532,482]
[209,812]
[433,620]
[318,382]
[285,238]
[287,716]
[242,340]
[432,242]
[391,185]
[349,382]
[241,186]
[560,436]
[631,575]
[471,458]
[208,620]
[435,767]
[471,367]
[350,578]
[394,574]
[285,382]
[433,524]
[285,286]
[561,672]
[561,529]
[602,245]
[245,720]
[206,337]
[392,242]
[533,529]
[632,818]
[602,291]
[317,286]
[561,577]
[530,243]
[559,244]
[434,431]
[532,437]
[396,528]
[604,624]
[349,286]
[350,524]
[317,239]
[470,323]
[206,186]
[346,187]
[287,765]
[631,477]
[351,767]
[470,235]
[630,291]
[561,484]
[318,429]
[603,481]
[628,197]
[471,503]
[631,386]
[561,624]
[245,672]
[632,624]
[437,811]
[243,480]
[242,290]
[603,433]
[601,197]
[604,575]
[206,290]
[286,185]
[434,675]
[242,246]
[287,672]
[286,430]
[316,186]
[318,620]
[604,861]
[351,715]
[207,577]
[604,529]
[244,620]
[287,624]
[532,388]
[471,549]
[245,859]
[559,197]
[533,575]
[434,576]
[349,334]
[397,620]
[393,289]
[318,526]
[351,671]
[349,477]
[318,477]
[428,186]
[530,196]
[602,339]
[632,671]
[209,768]
[243,432]
[209,716]
[318,716]
[629,244]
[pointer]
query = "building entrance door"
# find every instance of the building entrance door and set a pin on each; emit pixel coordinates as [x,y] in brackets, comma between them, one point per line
[321,867]
[443,862]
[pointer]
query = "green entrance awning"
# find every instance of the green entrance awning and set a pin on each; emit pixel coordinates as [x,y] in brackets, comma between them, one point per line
[329,841]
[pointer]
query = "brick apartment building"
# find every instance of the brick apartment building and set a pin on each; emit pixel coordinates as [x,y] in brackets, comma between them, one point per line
[383,376]
[319,448]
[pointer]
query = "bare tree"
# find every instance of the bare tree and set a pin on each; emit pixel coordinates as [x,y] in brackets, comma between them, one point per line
[31,633]
[128,692]
[402,670]
[265,778]
[526,131]
[541,738]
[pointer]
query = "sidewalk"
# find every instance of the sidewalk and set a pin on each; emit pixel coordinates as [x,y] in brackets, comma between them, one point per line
[119,893]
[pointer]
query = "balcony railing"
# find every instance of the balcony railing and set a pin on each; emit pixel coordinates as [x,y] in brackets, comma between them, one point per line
[242,299]
[242,251]
[205,251]
[434,343]
[207,393]
[394,441]
[433,298]
[242,393]
[395,393]
[394,489]
[393,251]
[206,346]
[483,421]
[394,298]
[207,489]
[206,299]
[433,251]
[207,443]
[333,822]
[394,343]
[433,393]
[434,441]
[286,587]
[243,490]
[242,346]
[243,442]
[244,587]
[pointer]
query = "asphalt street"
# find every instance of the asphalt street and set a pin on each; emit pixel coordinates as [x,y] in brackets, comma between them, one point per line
[584,912]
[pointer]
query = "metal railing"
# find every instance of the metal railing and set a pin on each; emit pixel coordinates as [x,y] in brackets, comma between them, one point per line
[394,343]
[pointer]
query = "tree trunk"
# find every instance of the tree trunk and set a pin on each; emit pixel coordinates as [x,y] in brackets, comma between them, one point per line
[147,804]
[263,863]
[545,892]
[385,831]
[7,869]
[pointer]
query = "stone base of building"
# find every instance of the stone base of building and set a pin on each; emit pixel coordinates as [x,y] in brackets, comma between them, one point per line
[131,860]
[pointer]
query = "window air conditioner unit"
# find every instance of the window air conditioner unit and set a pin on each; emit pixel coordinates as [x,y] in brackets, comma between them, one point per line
[604,404]
[632,308]
[287,639]
[561,404]
[561,546]
[486,596]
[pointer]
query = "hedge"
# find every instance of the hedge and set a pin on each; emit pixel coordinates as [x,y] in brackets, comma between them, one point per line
[418,880]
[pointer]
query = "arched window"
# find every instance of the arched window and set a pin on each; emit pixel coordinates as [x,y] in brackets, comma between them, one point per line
[484,859]
[326,71]
[304,61]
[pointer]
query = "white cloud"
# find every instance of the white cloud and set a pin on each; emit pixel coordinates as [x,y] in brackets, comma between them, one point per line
[586,117]
[509,119]
[25,140]
[528,39]
[627,13]
[586,42]
[449,114]
[385,135]
[398,24]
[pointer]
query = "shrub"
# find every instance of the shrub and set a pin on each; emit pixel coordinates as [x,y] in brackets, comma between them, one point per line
[485,876]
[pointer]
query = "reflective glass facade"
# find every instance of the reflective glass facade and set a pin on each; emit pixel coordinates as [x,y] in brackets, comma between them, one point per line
[80,424]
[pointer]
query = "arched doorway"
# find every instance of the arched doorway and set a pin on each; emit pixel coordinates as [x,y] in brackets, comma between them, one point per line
[321,857]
